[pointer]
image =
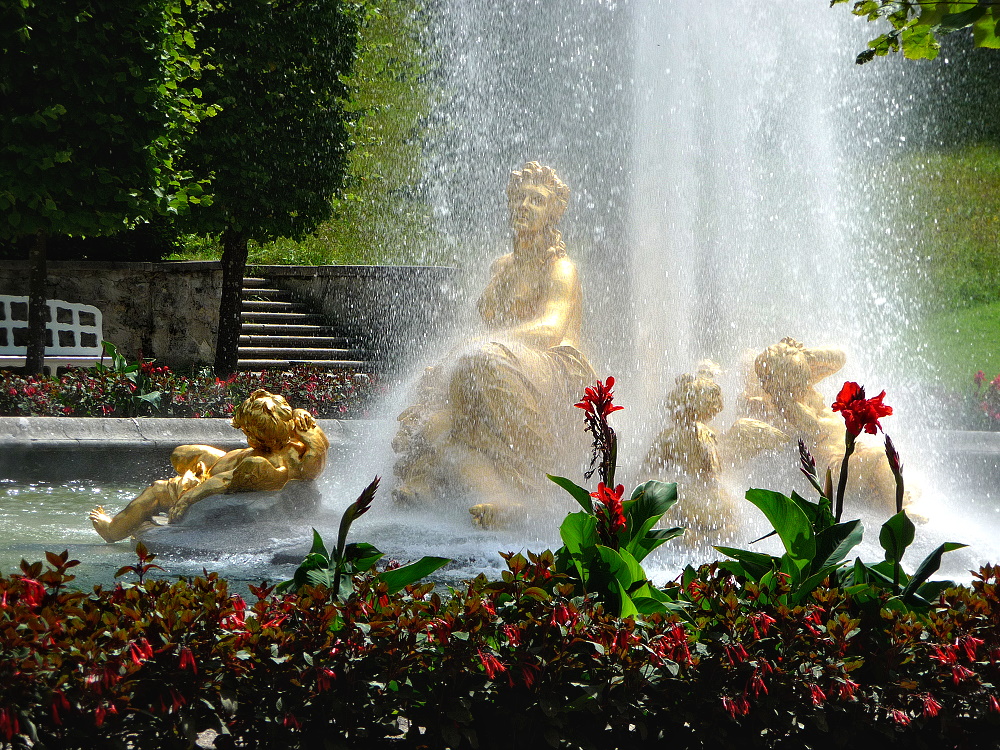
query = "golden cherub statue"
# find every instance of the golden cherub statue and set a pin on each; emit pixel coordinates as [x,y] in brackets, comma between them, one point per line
[687,452]
[496,415]
[788,400]
[286,445]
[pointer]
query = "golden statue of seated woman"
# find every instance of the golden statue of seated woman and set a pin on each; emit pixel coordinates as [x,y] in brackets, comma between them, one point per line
[285,445]
[497,415]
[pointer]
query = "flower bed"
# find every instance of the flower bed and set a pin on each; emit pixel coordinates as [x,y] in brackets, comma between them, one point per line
[523,661]
[574,648]
[149,390]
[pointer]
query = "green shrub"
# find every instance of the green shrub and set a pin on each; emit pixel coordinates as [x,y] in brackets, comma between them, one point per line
[519,661]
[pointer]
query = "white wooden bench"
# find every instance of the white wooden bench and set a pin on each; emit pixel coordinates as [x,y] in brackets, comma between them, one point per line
[73,333]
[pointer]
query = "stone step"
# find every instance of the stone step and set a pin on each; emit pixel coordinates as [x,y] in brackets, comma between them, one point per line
[268,294]
[256,281]
[256,365]
[281,318]
[261,305]
[298,355]
[294,342]
[286,329]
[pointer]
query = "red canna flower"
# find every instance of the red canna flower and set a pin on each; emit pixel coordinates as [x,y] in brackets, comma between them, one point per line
[609,512]
[291,722]
[994,704]
[860,413]
[597,400]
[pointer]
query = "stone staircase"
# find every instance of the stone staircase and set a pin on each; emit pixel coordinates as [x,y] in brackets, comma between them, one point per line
[278,331]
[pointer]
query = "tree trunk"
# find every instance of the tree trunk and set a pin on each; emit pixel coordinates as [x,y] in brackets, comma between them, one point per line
[234,261]
[38,311]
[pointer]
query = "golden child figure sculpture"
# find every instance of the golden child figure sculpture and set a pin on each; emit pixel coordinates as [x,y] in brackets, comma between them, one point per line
[285,445]
[688,452]
[788,373]
[489,423]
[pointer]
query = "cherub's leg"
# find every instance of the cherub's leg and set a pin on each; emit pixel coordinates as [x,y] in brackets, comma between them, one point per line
[156,498]
[187,457]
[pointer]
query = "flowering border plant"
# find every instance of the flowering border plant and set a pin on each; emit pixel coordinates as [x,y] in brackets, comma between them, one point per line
[143,388]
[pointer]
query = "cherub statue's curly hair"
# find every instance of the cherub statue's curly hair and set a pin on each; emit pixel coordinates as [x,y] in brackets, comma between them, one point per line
[266,419]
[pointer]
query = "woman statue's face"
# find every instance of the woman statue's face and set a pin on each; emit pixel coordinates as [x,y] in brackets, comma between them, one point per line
[530,208]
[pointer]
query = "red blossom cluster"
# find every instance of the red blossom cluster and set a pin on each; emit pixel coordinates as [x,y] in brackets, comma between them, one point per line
[609,512]
[860,413]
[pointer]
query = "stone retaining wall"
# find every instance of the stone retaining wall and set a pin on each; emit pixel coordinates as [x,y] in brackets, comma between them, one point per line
[169,311]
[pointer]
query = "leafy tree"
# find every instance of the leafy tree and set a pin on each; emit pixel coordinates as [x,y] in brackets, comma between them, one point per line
[916,25]
[384,214]
[92,123]
[276,150]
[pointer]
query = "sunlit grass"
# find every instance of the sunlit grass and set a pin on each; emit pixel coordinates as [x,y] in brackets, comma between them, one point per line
[962,341]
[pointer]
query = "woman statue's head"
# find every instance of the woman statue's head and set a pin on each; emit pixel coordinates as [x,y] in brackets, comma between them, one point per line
[537,199]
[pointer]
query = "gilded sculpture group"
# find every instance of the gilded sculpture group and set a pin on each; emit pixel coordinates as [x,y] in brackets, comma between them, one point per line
[491,418]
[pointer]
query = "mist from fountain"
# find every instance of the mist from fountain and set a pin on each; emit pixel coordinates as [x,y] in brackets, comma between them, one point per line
[727,190]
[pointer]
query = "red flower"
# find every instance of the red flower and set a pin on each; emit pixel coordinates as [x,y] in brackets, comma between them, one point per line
[817,694]
[931,706]
[979,377]
[899,717]
[847,689]
[491,664]
[34,592]
[609,512]
[860,413]
[738,706]
[187,659]
[597,399]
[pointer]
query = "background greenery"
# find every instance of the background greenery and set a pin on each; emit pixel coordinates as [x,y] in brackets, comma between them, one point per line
[381,216]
